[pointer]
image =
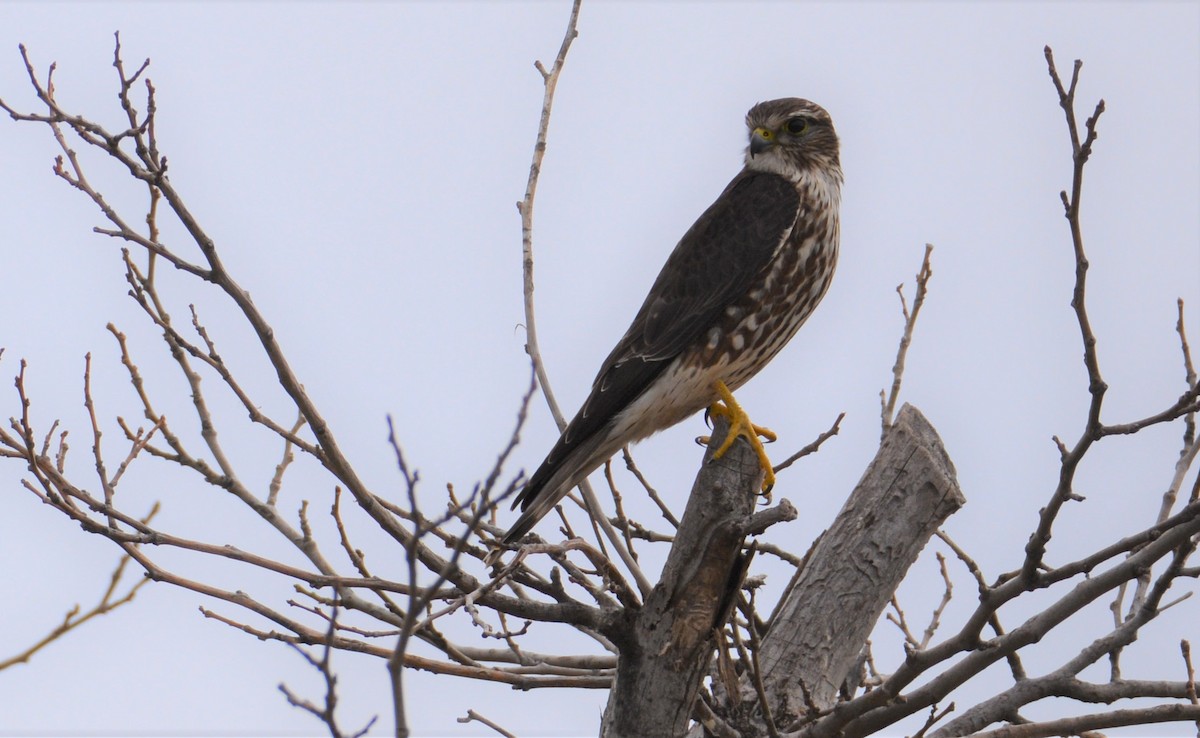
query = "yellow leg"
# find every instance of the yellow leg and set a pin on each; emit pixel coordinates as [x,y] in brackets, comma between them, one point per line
[740,425]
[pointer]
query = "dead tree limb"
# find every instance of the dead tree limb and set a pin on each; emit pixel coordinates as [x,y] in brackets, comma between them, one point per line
[906,493]
[665,645]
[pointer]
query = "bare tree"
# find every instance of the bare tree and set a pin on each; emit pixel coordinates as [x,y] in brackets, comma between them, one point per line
[685,651]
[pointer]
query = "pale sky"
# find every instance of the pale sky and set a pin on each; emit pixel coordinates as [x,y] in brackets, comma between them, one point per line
[358,165]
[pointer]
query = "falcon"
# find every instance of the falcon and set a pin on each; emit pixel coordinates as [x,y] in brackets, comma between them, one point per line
[737,287]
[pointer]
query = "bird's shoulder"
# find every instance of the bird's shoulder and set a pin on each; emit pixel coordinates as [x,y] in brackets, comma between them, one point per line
[717,260]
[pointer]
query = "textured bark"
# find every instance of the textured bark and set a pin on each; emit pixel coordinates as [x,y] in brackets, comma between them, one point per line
[833,603]
[665,646]
[831,606]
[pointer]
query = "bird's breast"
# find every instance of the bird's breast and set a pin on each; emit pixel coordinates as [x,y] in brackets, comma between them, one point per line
[754,328]
[748,333]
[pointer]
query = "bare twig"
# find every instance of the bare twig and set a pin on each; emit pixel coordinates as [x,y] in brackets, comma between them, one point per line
[622,523]
[288,457]
[1097,721]
[1081,150]
[888,400]
[473,716]
[1191,445]
[653,493]
[935,716]
[525,208]
[896,617]
[813,447]
[327,711]
[936,619]
[74,618]
[1185,648]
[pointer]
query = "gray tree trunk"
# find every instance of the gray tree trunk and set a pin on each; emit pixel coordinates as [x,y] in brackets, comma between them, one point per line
[818,632]
[665,646]
[834,601]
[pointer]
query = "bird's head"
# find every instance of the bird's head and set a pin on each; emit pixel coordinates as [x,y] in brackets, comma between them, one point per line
[791,137]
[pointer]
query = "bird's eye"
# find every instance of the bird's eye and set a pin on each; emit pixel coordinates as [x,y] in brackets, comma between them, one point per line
[797,125]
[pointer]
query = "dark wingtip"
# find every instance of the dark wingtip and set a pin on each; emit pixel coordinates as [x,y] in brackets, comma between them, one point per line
[519,529]
[526,497]
[533,488]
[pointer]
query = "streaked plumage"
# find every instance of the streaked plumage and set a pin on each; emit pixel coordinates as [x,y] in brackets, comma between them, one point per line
[736,288]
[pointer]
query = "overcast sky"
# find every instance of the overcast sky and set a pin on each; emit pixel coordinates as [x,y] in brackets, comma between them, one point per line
[357,166]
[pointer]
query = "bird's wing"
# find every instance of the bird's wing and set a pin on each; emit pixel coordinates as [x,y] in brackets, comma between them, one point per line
[715,263]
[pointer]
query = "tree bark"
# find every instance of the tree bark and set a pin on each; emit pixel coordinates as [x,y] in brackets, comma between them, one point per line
[818,633]
[665,645]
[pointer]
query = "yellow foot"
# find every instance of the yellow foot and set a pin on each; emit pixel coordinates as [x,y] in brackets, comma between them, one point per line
[740,425]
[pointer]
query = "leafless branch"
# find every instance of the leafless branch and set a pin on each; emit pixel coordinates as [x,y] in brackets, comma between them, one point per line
[1152,559]
[653,493]
[74,618]
[813,447]
[1185,649]
[1080,152]
[525,207]
[935,716]
[936,619]
[327,711]
[1097,721]
[888,400]
[473,716]
[196,356]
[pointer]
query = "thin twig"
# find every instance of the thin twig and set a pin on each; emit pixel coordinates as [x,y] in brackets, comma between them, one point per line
[525,208]
[888,400]
[1080,151]
[473,716]
[935,716]
[936,619]
[327,711]
[74,618]
[650,491]
[1185,649]
[813,447]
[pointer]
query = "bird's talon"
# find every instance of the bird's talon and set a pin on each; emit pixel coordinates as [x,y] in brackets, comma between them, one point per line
[766,493]
[703,440]
[740,425]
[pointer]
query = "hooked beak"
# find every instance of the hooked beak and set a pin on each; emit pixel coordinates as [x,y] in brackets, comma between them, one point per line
[760,140]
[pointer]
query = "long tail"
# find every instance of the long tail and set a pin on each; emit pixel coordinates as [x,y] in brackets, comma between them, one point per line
[563,469]
[593,435]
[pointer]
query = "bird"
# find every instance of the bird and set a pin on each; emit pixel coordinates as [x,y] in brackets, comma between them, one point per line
[735,289]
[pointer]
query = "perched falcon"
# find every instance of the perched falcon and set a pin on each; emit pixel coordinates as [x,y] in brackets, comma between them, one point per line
[736,288]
